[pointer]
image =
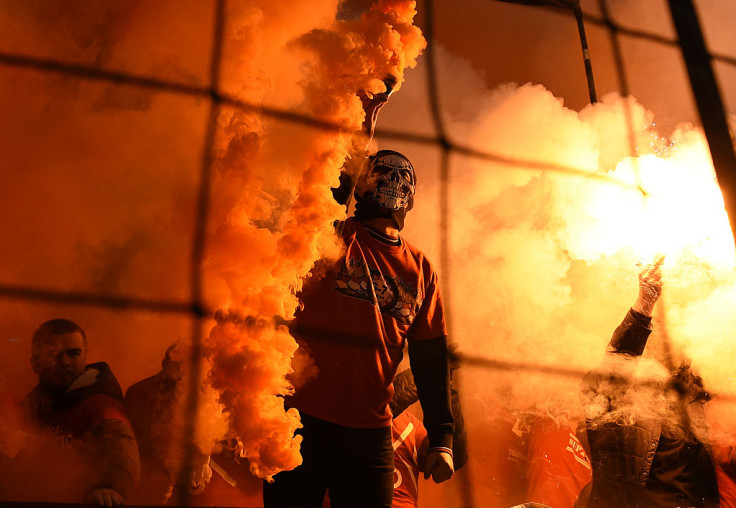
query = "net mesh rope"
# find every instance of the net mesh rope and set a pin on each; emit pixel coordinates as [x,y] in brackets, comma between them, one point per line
[194,307]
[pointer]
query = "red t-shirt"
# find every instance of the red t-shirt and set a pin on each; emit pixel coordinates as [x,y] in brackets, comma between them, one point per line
[407,434]
[354,323]
[558,466]
[725,473]
[498,461]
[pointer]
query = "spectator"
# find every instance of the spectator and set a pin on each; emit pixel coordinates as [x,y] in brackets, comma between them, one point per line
[654,456]
[155,405]
[558,467]
[82,405]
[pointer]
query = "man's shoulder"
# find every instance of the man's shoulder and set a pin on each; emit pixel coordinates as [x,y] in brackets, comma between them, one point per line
[143,387]
[96,408]
[415,252]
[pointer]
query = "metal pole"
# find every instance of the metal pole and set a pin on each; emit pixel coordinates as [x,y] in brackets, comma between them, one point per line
[586,54]
[708,99]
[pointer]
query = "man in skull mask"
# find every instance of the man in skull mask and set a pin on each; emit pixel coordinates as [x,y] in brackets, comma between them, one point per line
[357,315]
[386,191]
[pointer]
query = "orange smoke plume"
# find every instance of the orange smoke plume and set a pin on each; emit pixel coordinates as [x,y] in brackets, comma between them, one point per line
[273,210]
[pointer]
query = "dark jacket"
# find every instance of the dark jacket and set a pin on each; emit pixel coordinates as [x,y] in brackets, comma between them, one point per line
[89,416]
[635,464]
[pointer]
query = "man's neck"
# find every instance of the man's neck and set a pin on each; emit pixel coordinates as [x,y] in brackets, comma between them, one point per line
[383,225]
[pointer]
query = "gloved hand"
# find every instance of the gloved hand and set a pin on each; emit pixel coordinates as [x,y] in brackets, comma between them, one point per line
[650,286]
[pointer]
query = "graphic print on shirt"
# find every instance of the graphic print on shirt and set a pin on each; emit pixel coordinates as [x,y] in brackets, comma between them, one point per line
[575,447]
[394,297]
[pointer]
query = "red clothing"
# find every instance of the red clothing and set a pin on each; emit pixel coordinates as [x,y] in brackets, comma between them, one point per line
[88,414]
[726,486]
[354,324]
[408,433]
[498,462]
[558,467]
[149,404]
[91,430]
[725,472]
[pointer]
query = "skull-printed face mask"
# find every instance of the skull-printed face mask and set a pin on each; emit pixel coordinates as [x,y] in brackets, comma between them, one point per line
[391,180]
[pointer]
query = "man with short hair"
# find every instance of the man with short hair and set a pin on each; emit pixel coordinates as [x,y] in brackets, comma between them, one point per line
[82,405]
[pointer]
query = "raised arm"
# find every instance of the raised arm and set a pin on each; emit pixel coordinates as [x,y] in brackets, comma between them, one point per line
[611,378]
[372,104]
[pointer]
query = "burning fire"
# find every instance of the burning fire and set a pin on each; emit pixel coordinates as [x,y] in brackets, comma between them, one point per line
[668,203]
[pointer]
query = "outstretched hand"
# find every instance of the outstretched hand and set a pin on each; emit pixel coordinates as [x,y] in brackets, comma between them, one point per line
[650,286]
[438,464]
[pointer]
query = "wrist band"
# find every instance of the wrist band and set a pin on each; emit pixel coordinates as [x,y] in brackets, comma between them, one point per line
[441,449]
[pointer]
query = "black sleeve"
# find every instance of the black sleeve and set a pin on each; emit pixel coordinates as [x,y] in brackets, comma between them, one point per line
[117,461]
[428,359]
[460,436]
[631,336]
[611,378]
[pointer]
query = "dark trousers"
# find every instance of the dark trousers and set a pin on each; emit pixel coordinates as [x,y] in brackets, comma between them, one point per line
[356,466]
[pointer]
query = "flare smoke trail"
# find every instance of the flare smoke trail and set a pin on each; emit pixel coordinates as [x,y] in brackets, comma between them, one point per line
[544,263]
[106,207]
[102,181]
[276,217]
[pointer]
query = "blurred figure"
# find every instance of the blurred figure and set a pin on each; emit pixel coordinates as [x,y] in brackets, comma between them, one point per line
[499,447]
[156,406]
[725,460]
[81,405]
[410,437]
[558,467]
[534,458]
[410,448]
[647,441]
[150,405]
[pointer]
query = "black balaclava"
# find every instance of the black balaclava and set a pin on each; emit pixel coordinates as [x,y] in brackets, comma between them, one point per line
[386,188]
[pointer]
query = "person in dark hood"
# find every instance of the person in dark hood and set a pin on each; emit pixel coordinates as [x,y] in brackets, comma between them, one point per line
[82,405]
[648,442]
[358,313]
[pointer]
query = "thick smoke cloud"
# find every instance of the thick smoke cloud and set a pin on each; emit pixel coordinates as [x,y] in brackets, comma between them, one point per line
[277,218]
[106,178]
[543,262]
[102,187]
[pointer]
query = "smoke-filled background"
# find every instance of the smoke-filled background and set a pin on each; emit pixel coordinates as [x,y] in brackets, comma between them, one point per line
[132,197]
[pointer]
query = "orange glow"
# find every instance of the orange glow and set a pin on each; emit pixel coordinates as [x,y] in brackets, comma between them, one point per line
[668,203]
